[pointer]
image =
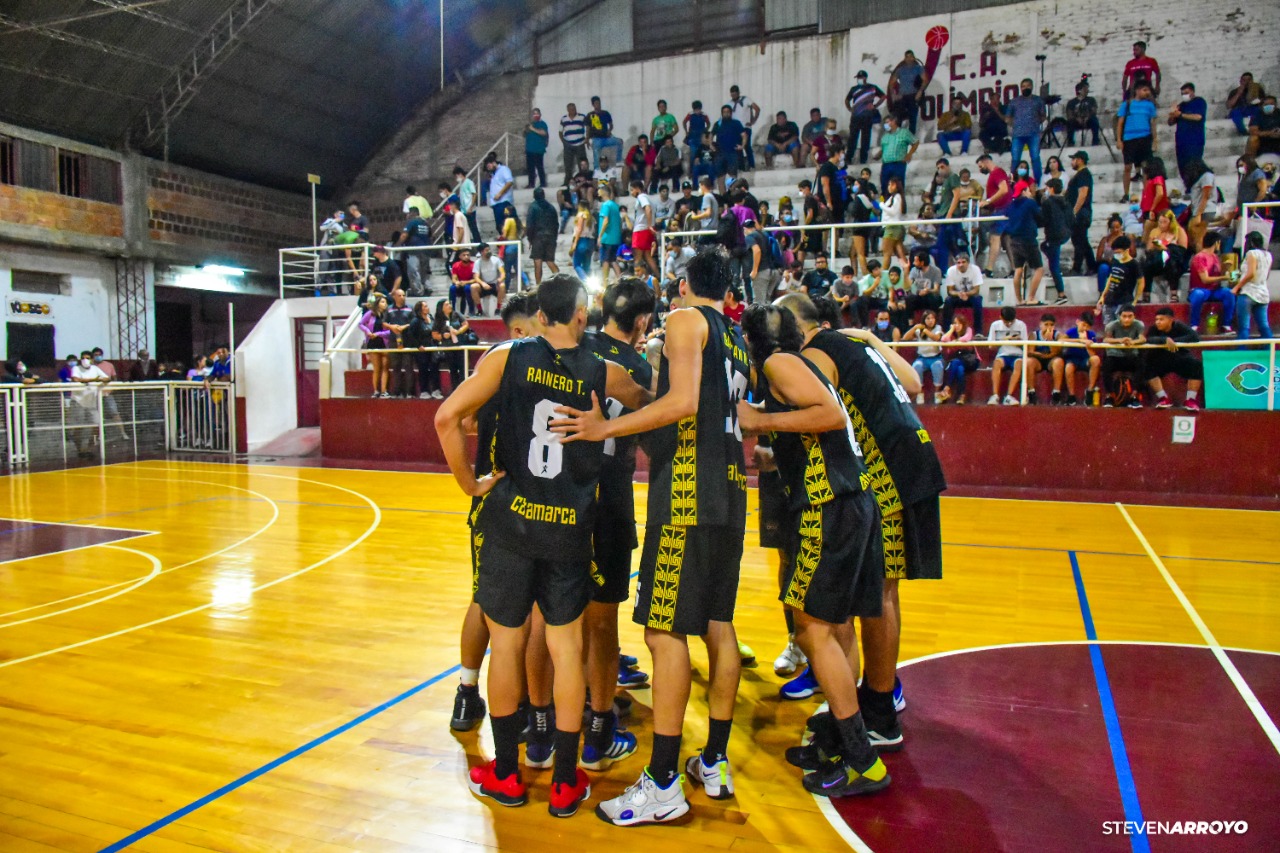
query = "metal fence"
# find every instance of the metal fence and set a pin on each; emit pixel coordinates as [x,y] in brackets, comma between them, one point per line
[56,425]
[333,270]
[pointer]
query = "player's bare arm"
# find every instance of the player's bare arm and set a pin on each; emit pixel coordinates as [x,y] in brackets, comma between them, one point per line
[462,405]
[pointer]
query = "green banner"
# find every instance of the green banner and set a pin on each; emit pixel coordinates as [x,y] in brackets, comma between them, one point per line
[1237,379]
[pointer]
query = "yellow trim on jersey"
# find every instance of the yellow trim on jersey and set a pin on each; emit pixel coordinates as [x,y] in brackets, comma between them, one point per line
[882,484]
[666,578]
[817,485]
[477,542]
[684,474]
[895,546]
[808,557]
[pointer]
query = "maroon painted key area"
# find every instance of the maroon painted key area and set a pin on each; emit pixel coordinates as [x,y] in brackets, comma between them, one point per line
[20,540]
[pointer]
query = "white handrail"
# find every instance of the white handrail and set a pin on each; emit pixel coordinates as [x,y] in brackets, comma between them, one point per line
[1243,230]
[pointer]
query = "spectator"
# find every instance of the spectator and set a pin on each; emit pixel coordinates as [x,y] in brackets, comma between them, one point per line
[509,252]
[1252,296]
[744,111]
[573,136]
[893,211]
[784,138]
[416,234]
[1046,357]
[1170,334]
[387,270]
[813,129]
[678,257]
[999,196]
[466,193]
[584,181]
[566,206]
[729,137]
[399,364]
[1208,284]
[458,224]
[733,306]
[684,204]
[1136,132]
[357,221]
[928,357]
[501,191]
[1025,114]
[704,160]
[925,279]
[610,234]
[643,237]
[1166,258]
[883,327]
[873,291]
[1125,283]
[668,166]
[583,243]
[1244,102]
[1022,229]
[707,216]
[451,329]
[1122,365]
[1155,193]
[412,199]
[897,302]
[544,226]
[696,125]
[822,145]
[1139,71]
[1252,185]
[1082,358]
[961,361]
[792,278]
[638,164]
[861,209]
[536,134]
[993,130]
[464,277]
[1203,196]
[418,336]
[845,290]
[169,372]
[923,234]
[863,103]
[763,271]
[897,146]
[1105,253]
[1079,198]
[1082,115]
[1188,118]
[818,281]
[663,126]
[1053,169]
[600,132]
[1057,219]
[1264,129]
[376,333]
[955,125]
[200,371]
[144,369]
[827,182]
[15,373]
[950,206]
[68,365]
[964,290]
[906,89]
[1008,357]
[83,409]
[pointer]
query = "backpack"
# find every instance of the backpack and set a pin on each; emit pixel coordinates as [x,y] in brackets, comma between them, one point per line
[775,251]
[729,231]
[1123,392]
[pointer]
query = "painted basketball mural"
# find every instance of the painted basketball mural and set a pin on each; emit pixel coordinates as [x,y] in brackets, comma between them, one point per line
[936,39]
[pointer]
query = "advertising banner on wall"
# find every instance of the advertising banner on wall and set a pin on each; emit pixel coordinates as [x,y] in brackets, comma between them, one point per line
[29,309]
[1238,380]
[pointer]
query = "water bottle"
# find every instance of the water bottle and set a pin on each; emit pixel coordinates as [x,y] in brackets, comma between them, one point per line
[1211,324]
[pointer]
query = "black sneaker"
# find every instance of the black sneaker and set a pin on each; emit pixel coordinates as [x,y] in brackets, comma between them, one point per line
[808,758]
[885,736]
[1135,404]
[1062,300]
[1031,398]
[468,708]
[523,710]
[1072,401]
[838,779]
[1055,399]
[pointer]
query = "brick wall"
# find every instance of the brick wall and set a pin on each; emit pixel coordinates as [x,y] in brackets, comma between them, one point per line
[48,210]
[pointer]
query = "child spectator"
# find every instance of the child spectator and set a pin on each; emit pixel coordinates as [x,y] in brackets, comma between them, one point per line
[961,361]
[1082,358]
[927,357]
[1008,357]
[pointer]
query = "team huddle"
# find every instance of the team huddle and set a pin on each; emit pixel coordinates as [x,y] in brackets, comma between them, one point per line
[849,490]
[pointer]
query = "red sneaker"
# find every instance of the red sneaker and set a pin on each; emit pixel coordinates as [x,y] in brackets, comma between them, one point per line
[1192,405]
[510,791]
[565,798]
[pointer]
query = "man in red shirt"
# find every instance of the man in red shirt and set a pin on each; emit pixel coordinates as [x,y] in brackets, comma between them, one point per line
[998,198]
[464,275]
[1140,68]
[1208,284]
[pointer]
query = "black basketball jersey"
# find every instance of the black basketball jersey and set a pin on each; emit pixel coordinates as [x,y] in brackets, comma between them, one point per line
[896,447]
[617,494]
[486,438]
[546,502]
[697,473]
[815,467]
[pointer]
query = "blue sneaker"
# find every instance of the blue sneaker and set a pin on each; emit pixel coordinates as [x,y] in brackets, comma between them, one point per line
[627,661]
[628,677]
[899,698]
[802,686]
[540,747]
[622,745]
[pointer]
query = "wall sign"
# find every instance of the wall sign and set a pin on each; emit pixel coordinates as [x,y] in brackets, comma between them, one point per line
[1238,380]
[29,309]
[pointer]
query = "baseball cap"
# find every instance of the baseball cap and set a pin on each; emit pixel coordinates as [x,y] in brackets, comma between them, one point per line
[1083,155]
[685,185]
[861,74]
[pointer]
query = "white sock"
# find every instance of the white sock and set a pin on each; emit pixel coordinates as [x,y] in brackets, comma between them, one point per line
[469,677]
[1191,395]
[1160,395]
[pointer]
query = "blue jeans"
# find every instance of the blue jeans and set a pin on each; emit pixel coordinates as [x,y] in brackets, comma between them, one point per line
[1242,116]
[501,211]
[1091,125]
[1249,312]
[893,170]
[956,373]
[1053,256]
[1104,272]
[600,143]
[948,136]
[582,253]
[1200,295]
[1031,145]
[473,225]
[931,363]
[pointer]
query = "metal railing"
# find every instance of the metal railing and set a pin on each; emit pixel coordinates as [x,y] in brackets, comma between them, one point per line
[53,424]
[311,270]
[1242,230]
[474,172]
[326,364]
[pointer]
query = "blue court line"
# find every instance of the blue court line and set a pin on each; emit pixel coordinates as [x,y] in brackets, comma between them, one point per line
[1119,756]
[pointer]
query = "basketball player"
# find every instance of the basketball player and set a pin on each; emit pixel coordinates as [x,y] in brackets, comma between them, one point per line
[693,540]
[906,479]
[627,309]
[540,491]
[837,572]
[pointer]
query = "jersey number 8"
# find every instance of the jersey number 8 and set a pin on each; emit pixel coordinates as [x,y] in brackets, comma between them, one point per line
[546,454]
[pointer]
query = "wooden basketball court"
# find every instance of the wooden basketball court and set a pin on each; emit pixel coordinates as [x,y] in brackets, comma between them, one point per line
[197,656]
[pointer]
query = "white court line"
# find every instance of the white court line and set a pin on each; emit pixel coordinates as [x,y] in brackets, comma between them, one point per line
[275,514]
[1246,693]
[155,571]
[377,520]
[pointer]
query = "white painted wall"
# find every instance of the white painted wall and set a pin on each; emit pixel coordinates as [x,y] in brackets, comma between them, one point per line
[1083,35]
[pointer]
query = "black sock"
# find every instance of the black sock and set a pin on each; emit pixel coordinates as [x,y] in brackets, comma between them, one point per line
[506,743]
[791,621]
[717,741]
[664,765]
[600,730]
[876,707]
[540,722]
[566,758]
[858,752]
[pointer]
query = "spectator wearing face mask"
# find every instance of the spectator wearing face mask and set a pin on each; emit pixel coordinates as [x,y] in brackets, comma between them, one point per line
[1244,102]
[15,373]
[1125,282]
[862,101]
[83,411]
[1264,130]
[1025,114]
[68,364]
[1187,118]
[897,146]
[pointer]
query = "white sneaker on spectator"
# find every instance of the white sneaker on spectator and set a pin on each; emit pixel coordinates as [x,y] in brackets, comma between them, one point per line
[920,399]
[1010,400]
[424,396]
[993,400]
[436,395]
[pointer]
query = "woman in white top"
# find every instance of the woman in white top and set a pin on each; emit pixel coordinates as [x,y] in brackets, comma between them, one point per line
[928,357]
[1053,169]
[1253,299]
[892,211]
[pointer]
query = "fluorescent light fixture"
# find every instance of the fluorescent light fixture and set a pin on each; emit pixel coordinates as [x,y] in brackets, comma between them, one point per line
[218,269]
[203,280]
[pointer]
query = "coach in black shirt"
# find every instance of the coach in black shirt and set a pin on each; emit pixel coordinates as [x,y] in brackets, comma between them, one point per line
[1080,198]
